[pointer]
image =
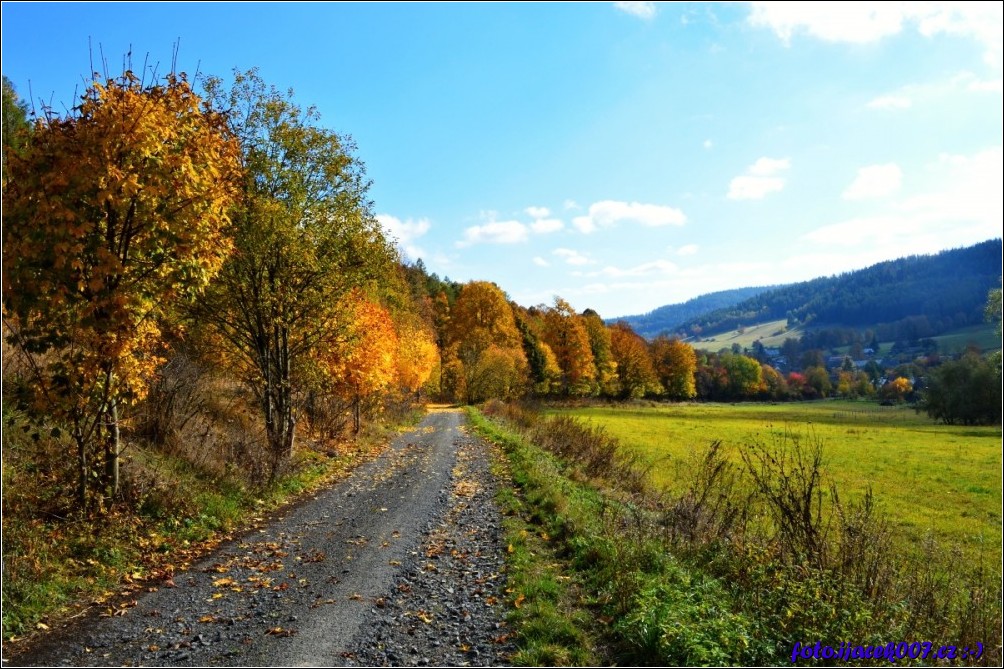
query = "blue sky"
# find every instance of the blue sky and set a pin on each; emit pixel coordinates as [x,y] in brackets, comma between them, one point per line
[620,155]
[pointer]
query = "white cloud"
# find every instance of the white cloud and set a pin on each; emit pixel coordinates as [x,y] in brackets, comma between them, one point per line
[540,262]
[643,10]
[537,212]
[964,207]
[545,225]
[584,224]
[708,144]
[768,167]
[644,269]
[571,205]
[861,22]
[608,213]
[405,233]
[495,232]
[890,102]
[933,91]
[759,180]
[874,181]
[573,257]
[687,250]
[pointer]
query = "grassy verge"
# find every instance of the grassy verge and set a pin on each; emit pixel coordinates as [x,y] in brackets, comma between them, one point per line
[56,561]
[735,569]
[585,590]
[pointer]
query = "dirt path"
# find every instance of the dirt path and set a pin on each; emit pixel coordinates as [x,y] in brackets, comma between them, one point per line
[401,563]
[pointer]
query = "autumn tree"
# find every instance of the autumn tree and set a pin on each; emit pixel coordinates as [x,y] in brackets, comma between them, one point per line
[675,363]
[417,355]
[545,374]
[483,344]
[111,214]
[599,344]
[304,238]
[634,365]
[565,333]
[363,361]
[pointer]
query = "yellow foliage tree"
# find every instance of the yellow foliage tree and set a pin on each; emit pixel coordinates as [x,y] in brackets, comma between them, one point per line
[565,332]
[417,356]
[364,361]
[110,214]
[483,338]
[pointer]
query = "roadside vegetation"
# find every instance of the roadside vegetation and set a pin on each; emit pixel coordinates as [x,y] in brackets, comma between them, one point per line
[749,556]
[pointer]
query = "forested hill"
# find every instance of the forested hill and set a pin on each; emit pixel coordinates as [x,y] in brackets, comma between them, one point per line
[931,293]
[669,317]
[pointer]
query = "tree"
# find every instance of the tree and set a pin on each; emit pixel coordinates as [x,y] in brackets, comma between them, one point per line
[304,238]
[675,363]
[599,344]
[363,361]
[111,214]
[15,121]
[545,374]
[966,391]
[634,365]
[565,333]
[744,375]
[483,338]
[417,356]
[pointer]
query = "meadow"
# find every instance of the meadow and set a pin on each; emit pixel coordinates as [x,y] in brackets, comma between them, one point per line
[928,479]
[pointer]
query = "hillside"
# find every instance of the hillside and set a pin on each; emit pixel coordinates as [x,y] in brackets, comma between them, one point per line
[907,298]
[669,317]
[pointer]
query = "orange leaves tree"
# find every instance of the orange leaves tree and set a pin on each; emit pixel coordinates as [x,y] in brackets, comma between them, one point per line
[675,364]
[364,361]
[110,214]
[484,356]
[304,238]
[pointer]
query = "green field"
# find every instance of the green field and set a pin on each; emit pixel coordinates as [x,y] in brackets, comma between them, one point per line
[773,334]
[928,478]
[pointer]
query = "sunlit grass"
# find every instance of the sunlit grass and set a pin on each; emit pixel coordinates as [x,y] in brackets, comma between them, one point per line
[928,478]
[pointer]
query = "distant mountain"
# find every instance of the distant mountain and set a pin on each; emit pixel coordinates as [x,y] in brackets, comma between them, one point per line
[668,318]
[925,295]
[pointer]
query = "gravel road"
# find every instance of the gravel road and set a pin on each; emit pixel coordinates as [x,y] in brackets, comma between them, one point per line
[399,564]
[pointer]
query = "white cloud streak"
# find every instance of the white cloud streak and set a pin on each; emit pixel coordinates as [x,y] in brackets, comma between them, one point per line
[642,10]
[863,22]
[760,179]
[495,232]
[874,181]
[608,213]
[572,257]
[545,225]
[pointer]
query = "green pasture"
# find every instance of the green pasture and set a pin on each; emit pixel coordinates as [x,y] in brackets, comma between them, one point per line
[929,479]
[773,334]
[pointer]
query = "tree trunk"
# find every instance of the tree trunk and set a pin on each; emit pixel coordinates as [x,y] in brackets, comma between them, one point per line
[113,448]
[355,416]
[81,469]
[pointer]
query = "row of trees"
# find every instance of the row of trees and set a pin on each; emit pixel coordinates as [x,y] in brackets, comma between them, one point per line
[150,214]
[492,347]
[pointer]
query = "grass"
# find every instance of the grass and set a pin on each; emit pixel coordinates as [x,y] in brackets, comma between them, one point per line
[683,579]
[770,334]
[773,333]
[927,478]
[545,611]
